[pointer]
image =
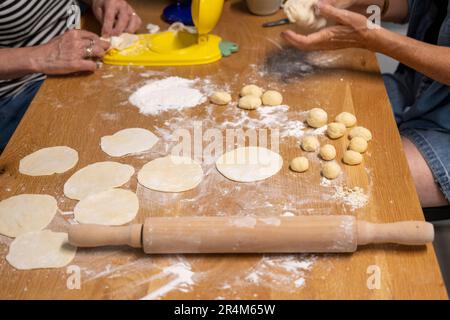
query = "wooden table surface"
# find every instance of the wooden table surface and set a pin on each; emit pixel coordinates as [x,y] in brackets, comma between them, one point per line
[78,110]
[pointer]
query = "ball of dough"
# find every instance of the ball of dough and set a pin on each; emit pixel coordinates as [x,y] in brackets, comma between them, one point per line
[272,98]
[220,98]
[360,132]
[328,152]
[310,144]
[358,144]
[300,164]
[346,118]
[317,118]
[335,130]
[352,158]
[251,90]
[331,170]
[302,13]
[249,102]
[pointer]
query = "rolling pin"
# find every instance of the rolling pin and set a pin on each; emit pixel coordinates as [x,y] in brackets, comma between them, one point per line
[237,234]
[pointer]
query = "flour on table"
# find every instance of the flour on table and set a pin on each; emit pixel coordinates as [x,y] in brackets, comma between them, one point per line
[128,141]
[48,161]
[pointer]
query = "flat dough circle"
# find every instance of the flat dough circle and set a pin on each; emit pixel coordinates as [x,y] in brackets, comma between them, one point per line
[249,164]
[127,141]
[26,212]
[171,174]
[112,208]
[40,249]
[97,177]
[48,161]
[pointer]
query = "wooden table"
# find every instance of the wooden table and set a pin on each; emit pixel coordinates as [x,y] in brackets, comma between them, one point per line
[78,110]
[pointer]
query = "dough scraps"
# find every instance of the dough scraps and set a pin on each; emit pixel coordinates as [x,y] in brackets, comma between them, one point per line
[128,141]
[48,161]
[124,41]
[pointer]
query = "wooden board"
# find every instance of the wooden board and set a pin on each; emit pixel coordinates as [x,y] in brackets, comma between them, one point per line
[78,110]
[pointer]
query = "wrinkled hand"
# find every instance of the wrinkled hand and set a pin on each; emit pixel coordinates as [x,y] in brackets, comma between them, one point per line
[351,31]
[68,53]
[341,4]
[116,17]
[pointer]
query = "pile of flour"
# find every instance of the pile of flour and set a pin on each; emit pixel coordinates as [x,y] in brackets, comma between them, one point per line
[167,94]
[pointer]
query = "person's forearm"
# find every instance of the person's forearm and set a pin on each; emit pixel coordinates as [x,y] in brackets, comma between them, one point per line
[16,62]
[397,11]
[430,60]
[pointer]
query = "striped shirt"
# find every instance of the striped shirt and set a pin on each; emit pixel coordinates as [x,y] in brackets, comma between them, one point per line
[27,23]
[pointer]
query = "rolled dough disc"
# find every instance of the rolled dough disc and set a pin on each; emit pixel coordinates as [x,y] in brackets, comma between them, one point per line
[97,177]
[40,249]
[25,213]
[249,164]
[112,207]
[128,141]
[171,174]
[48,161]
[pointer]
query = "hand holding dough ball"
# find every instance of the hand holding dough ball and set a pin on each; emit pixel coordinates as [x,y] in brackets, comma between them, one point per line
[300,164]
[358,144]
[346,118]
[360,132]
[352,158]
[249,102]
[328,152]
[220,98]
[251,90]
[310,144]
[317,118]
[336,130]
[272,98]
[331,170]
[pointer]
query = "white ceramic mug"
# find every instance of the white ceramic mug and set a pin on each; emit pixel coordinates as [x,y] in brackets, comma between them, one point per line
[263,7]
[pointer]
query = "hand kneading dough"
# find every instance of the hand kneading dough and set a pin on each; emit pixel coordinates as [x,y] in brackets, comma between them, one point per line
[112,207]
[300,164]
[358,144]
[272,98]
[48,161]
[302,13]
[328,152]
[360,132]
[220,98]
[331,170]
[249,164]
[40,249]
[336,130]
[251,90]
[97,177]
[128,141]
[26,212]
[310,144]
[352,158]
[249,102]
[171,174]
[317,118]
[348,119]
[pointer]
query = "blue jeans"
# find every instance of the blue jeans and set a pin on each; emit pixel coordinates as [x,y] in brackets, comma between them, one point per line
[12,110]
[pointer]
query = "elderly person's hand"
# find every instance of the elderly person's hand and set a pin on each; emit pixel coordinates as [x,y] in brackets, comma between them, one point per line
[116,16]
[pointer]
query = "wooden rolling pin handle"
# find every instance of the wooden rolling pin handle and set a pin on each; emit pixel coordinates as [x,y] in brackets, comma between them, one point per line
[86,235]
[406,233]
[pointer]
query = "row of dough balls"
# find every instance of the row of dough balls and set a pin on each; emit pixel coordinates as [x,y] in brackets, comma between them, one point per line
[252,97]
[359,138]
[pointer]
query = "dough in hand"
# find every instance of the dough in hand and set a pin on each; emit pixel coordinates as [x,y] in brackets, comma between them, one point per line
[26,212]
[249,102]
[249,164]
[336,130]
[220,98]
[97,177]
[328,152]
[112,207]
[272,98]
[346,118]
[128,141]
[352,158]
[40,249]
[171,174]
[300,164]
[302,13]
[310,144]
[360,132]
[48,161]
[122,42]
[251,90]
[317,118]
[358,144]
[331,170]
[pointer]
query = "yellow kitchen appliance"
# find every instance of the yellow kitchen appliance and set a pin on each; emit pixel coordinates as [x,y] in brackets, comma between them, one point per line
[176,48]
